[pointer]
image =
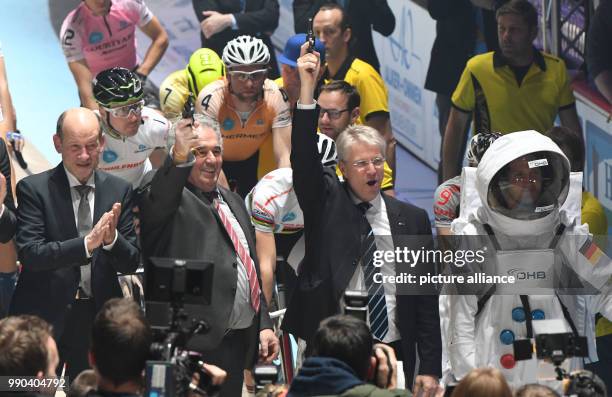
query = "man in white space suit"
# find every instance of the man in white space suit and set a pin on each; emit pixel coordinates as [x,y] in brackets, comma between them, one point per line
[522,181]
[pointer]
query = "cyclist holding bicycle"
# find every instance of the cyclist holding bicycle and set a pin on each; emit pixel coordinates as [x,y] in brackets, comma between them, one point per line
[252,111]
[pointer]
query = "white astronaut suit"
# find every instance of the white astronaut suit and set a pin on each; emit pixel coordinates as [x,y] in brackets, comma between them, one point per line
[522,181]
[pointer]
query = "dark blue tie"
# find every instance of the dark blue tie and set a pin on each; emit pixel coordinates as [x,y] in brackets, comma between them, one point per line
[377,304]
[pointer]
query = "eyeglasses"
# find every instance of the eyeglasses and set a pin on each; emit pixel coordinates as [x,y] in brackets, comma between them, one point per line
[333,114]
[255,75]
[202,151]
[125,111]
[377,162]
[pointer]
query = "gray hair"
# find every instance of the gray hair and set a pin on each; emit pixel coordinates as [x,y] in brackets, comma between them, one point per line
[359,134]
[204,121]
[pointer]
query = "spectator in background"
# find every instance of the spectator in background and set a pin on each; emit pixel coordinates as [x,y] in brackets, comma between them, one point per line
[290,78]
[515,89]
[599,50]
[461,33]
[483,382]
[363,15]
[224,20]
[8,223]
[101,34]
[593,214]
[27,348]
[331,26]
[343,359]
[203,68]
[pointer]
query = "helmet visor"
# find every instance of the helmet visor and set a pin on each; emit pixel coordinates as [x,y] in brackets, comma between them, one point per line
[530,187]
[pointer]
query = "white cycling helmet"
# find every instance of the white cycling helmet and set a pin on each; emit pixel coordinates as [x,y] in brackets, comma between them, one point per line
[245,50]
[327,151]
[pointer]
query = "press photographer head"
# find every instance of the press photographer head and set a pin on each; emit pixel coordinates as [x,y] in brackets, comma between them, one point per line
[344,358]
[120,342]
[27,348]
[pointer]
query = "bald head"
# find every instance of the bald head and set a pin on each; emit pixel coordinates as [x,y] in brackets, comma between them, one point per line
[77,116]
[79,140]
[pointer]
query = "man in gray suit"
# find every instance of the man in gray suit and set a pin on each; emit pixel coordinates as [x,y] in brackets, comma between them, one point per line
[185,214]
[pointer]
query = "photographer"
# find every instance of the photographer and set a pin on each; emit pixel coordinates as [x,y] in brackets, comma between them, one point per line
[343,361]
[120,345]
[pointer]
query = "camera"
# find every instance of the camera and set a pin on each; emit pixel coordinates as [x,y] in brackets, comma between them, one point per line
[356,304]
[176,291]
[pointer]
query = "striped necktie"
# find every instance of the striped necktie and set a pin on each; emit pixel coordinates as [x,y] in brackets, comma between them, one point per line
[377,304]
[244,256]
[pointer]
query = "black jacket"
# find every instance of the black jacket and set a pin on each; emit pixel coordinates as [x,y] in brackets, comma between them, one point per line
[51,251]
[179,222]
[259,19]
[332,244]
[455,40]
[364,15]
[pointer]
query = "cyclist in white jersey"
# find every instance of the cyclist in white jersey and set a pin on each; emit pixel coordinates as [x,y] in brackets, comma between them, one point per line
[275,211]
[135,135]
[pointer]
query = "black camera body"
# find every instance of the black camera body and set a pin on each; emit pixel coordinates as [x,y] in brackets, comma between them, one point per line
[175,290]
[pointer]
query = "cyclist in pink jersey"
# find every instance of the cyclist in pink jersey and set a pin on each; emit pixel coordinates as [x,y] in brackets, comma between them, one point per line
[100,34]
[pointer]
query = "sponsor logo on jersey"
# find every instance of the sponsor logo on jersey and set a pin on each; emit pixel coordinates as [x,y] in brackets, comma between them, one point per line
[289,217]
[109,156]
[262,216]
[141,148]
[228,124]
[123,25]
[95,37]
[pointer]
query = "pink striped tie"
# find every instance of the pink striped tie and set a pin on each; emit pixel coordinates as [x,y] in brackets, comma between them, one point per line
[243,255]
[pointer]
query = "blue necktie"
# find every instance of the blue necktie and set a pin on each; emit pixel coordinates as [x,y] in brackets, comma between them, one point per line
[377,304]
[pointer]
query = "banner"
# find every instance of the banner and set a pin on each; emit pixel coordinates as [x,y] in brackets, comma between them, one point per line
[404,59]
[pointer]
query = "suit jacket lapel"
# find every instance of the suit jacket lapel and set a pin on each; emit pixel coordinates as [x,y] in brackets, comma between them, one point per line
[61,197]
[397,223]
[99,204]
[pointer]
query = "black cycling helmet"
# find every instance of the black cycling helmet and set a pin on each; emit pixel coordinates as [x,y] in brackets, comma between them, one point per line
[116,87]
[479,145]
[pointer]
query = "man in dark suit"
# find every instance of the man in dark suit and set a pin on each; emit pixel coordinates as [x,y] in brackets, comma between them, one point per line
[185,214]
[224,20]
[338,255]
[7,206]
[74,233]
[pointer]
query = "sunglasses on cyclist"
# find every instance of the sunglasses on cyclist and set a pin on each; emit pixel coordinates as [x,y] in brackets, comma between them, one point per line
[124,111]
[255,75]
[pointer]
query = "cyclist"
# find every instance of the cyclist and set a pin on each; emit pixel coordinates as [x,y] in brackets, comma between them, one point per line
[135,135]
[204,67]
[448,194]
[101,34]
[253,113]
[278,219]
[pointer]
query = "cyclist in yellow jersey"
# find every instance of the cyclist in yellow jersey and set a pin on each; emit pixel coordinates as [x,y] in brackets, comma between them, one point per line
[204,67]
[330,24]
[339,102]
[253,114]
